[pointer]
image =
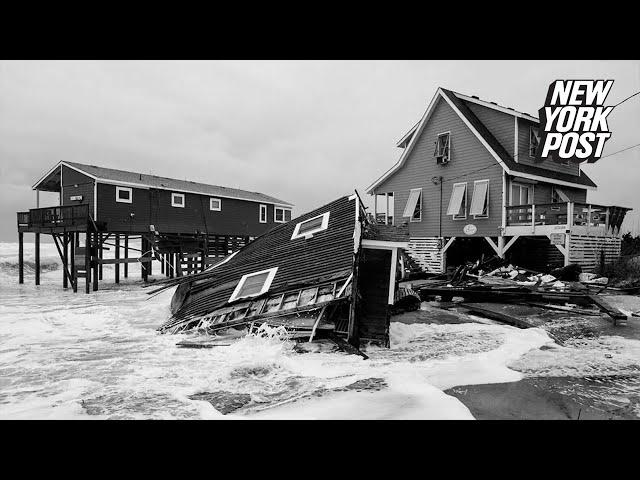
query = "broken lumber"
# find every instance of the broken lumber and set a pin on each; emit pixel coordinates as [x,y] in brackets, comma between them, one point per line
[617,316]
[499,316]
[346,346]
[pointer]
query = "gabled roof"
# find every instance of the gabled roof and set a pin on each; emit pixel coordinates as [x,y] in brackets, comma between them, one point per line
[457,102]
[142,180]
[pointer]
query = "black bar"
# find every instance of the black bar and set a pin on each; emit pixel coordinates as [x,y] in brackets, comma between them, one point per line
[65,259]
[87,261]
[72,252]
[94,255]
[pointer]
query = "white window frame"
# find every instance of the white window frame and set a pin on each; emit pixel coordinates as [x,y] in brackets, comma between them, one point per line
[265,287]
[263,208]
[211,200]
[464,198]
[310,233]
[275,216]
[175,194]
[531,129]
[437,152]
[486,180]
[124,189]
[419,202]
[530,186]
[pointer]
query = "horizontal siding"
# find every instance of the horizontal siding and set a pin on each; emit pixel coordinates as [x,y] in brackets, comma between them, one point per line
[501,125]
[467,156]
[153,207]
[75,183]
[425,252]
[585,250]
[523,152]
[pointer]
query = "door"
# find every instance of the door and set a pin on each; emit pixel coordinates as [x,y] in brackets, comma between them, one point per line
[374,287]
[521,194]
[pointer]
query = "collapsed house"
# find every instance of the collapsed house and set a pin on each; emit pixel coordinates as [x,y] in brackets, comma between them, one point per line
[329,272]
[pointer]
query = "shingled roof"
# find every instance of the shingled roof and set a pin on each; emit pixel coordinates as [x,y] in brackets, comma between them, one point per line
[123,177]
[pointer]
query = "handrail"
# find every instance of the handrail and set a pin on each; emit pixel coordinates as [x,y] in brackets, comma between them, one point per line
[569,213]
[61,216]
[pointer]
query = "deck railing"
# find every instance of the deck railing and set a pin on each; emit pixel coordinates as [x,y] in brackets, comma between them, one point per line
[66,216]
[569,214]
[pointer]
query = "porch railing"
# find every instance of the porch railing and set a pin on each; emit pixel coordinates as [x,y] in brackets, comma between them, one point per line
[64,216]
[570,214]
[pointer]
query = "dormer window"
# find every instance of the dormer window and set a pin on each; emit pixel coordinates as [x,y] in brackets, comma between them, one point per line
[534,140]
[215,204]
[254,284]
[177,200]
[311,226]
[123,195]
[442,151]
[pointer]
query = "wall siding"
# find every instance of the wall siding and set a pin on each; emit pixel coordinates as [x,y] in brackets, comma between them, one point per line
[501,125]
[153,207]
[523,152]
[467,156]
[75,183]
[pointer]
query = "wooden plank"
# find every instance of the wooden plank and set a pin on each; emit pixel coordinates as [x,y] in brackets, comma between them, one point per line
[614,313]
[20,257]
[117,257]
[494,315]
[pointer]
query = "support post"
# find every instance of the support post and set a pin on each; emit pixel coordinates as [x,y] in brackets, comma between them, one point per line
[501,245]
[65,259]
[37,259]
[94,261]
[87,261]
[72,252]
[20,257]
[162,263]
[171,265]
[126,255]
[117,256]
[99,252]
[386,209]
[353,335]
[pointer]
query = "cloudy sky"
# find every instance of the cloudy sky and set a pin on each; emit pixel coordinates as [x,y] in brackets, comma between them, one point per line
[303,131]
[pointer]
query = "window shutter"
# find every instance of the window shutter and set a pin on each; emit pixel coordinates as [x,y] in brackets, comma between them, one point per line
[479,197]
[414,196]
[456,198]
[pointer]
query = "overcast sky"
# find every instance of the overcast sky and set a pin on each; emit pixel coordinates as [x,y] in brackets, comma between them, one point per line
[303,131]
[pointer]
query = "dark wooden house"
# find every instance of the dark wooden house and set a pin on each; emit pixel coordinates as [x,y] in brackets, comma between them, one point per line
[186,225]
[467,183]
[328,270]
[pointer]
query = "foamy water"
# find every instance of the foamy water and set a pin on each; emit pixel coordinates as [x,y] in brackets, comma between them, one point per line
[66,355]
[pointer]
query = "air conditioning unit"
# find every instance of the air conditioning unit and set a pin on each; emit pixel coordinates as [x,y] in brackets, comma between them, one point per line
[442,159]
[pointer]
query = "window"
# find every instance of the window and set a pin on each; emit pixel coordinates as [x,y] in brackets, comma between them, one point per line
[177,200]
[413,208]
[558,196]
[534,140]
[521,194]
[480,200]
[311,226]
[215,204]
[443,144]
[124,195]
[458,201]
[263,214]
[254,284]
[281,215]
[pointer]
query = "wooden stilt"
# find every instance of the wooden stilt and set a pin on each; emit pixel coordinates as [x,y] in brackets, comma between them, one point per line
[72,254]
[126,255]
[65,259]
[162,263]
[171,265]
[353,331]
[117,255]
[101,240]
[149,254]
[87,261]
[37,259]
[20,257]
[94,259]
[145,267]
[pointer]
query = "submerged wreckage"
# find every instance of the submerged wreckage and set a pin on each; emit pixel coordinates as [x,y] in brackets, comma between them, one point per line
[330,272]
